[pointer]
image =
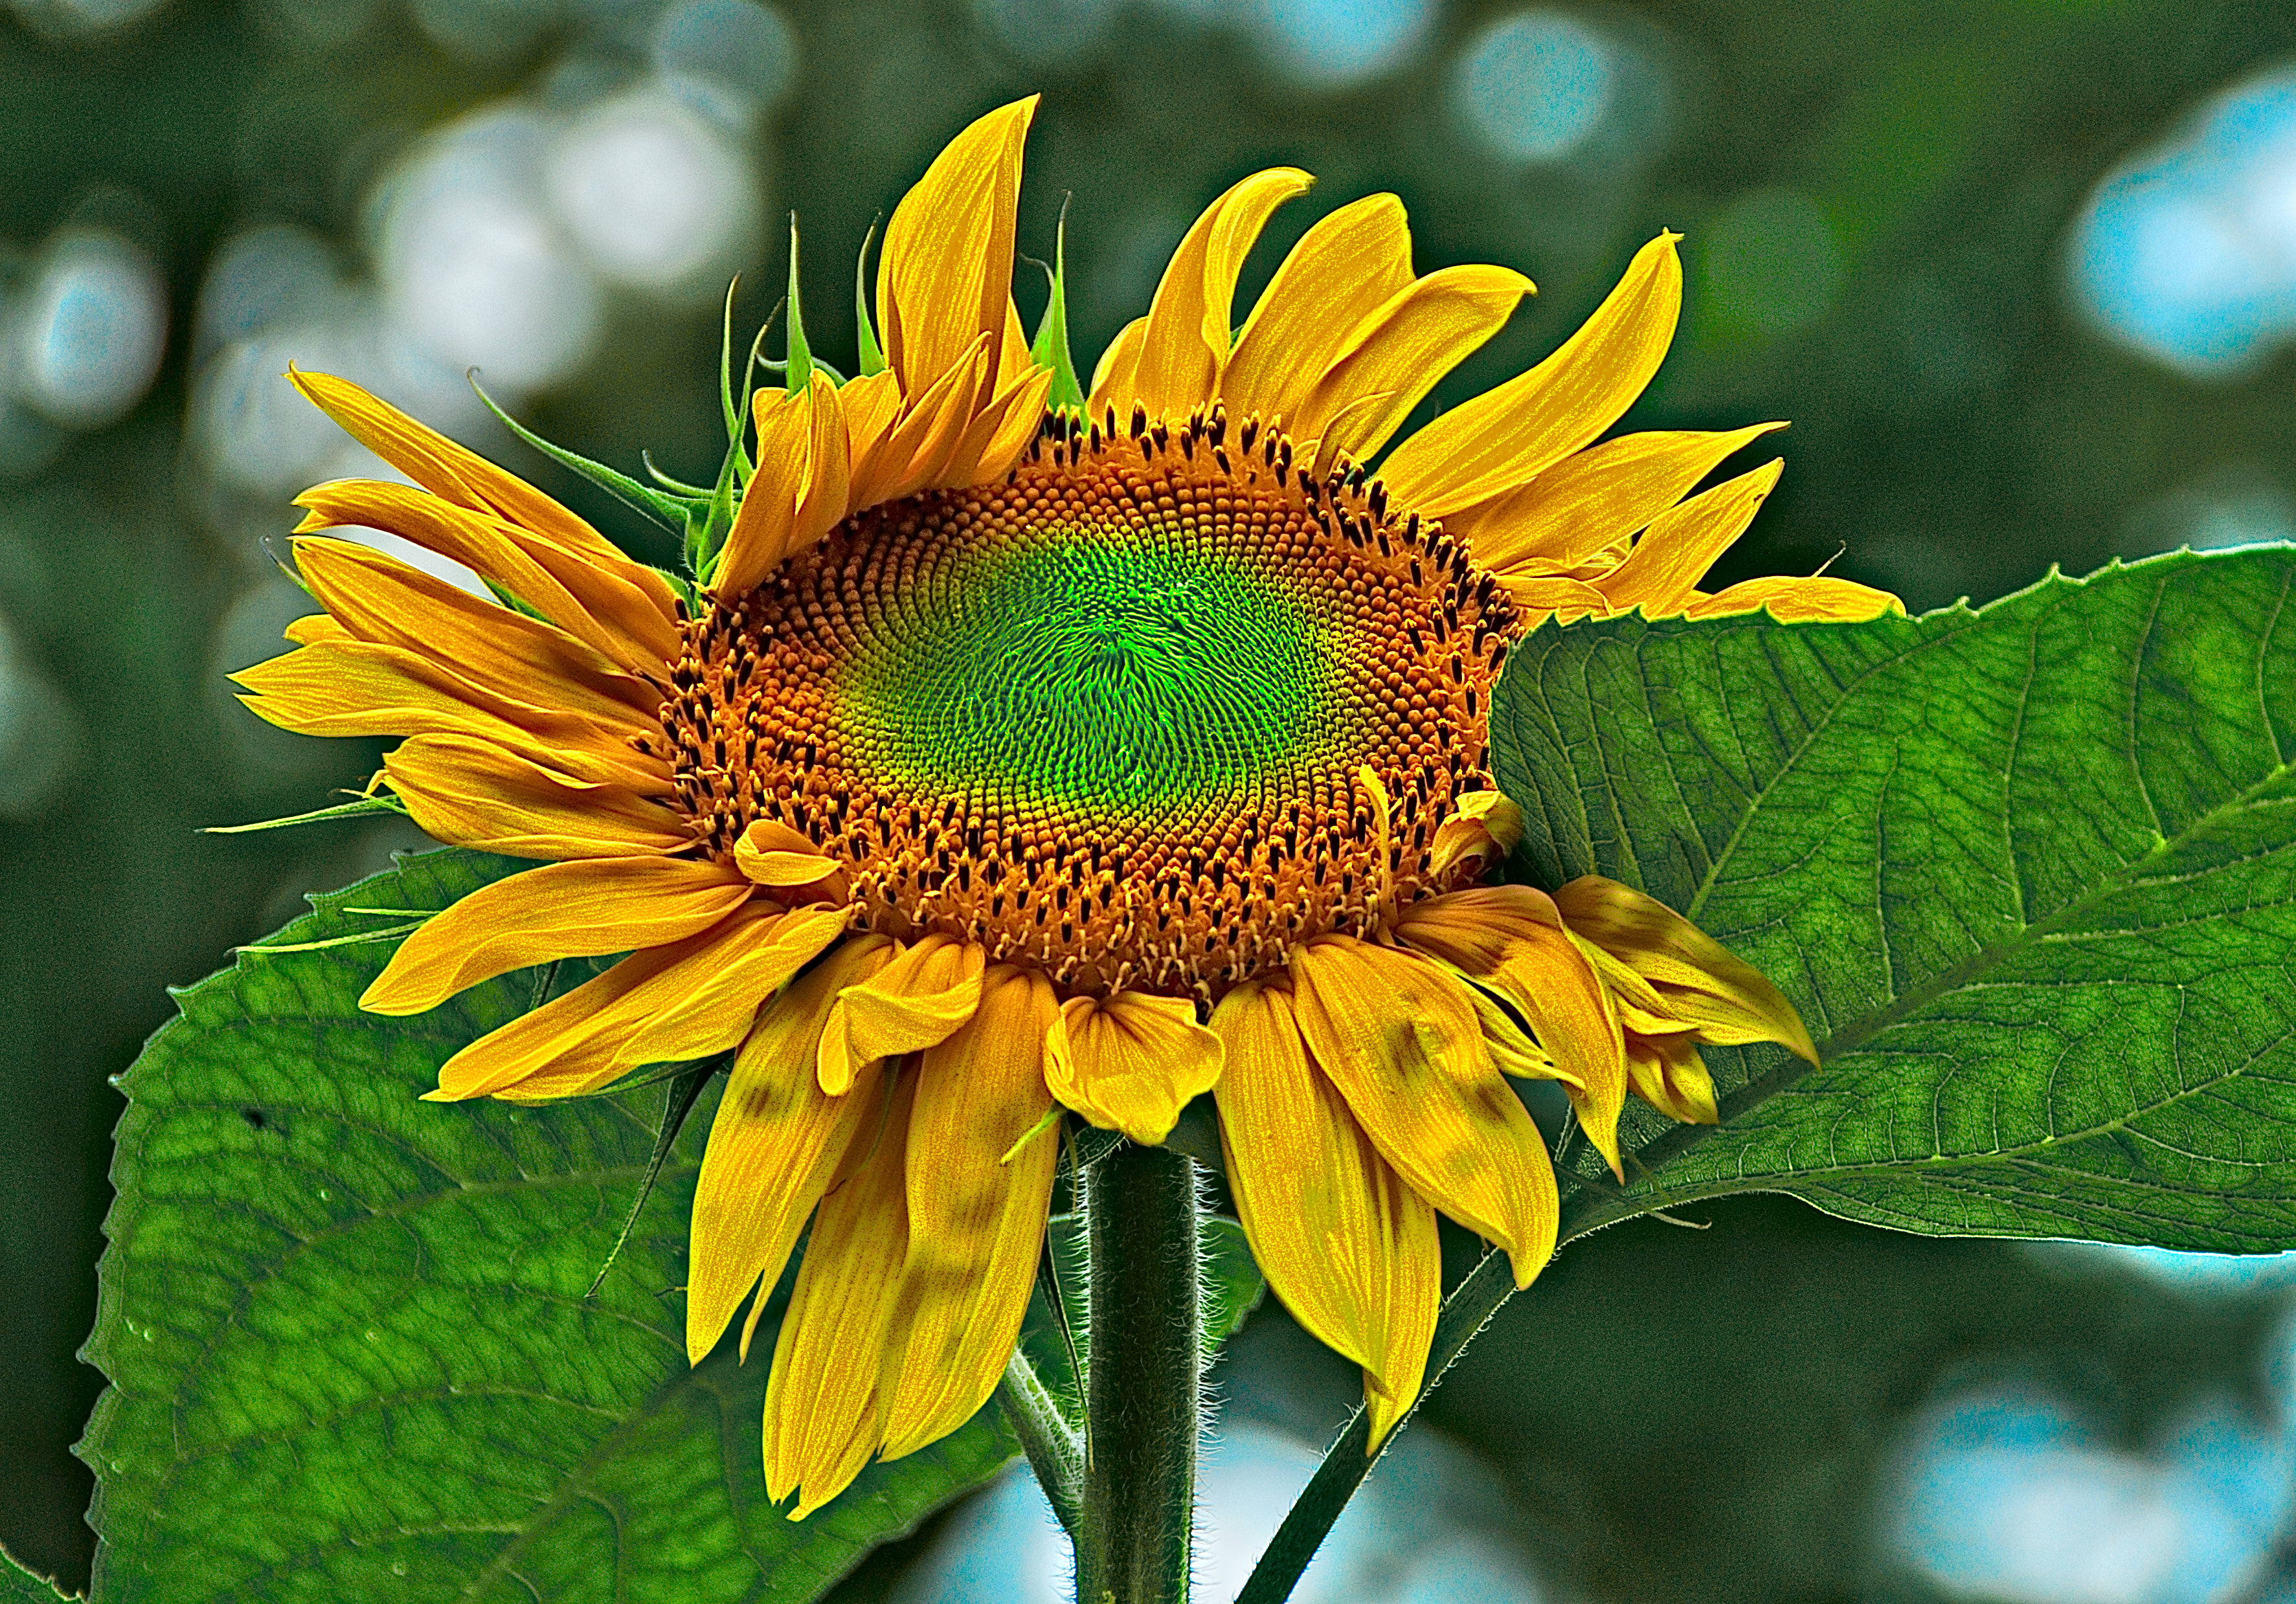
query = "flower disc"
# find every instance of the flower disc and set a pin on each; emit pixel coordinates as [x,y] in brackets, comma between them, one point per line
[1107,717]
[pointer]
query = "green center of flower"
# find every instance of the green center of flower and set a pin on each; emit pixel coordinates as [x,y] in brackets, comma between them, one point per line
[1098,673]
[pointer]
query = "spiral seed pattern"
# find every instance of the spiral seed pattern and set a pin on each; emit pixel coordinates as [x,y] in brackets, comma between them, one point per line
[1106,717]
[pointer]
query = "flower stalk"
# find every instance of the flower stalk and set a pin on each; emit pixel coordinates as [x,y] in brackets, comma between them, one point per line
[1134,1534]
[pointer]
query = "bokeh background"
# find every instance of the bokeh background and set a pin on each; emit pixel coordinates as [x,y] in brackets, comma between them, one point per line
[2021,271]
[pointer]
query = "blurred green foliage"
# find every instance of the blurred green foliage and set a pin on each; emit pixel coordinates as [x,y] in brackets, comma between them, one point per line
[1875,200]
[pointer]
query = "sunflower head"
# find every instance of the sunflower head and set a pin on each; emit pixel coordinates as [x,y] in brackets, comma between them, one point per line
[1110,715]
[1020,749]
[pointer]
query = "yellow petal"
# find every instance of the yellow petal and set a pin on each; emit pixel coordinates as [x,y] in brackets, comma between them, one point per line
[347,687]
[716,1013]
[1401,1041]
[1350,1250]
[1484,826]
[1506,435]
[1728,1001]
[1185,342]
[976,1223]
[909,455]
[1535,596]
[798,491]
[574,910]
[443,468]
[1424,332]
[771,853]
[571,1043]
[1596,498]
[1342,270]
[945,278]
[1661,573]
[312,629]
[1512,939]
[1118,371]
[469,792]
[917,1000]
[595,606]
[1818,600]
[871,405]
[1670,1076]
[823,1413]
[379,598]
[1130,1062]
[776,1141]
[1000,430]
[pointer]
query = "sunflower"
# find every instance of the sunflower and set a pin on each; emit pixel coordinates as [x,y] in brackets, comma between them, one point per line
[1009,760]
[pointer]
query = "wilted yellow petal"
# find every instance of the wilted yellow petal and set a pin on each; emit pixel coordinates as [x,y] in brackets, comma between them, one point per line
[776,1139]
[1669,1076]
[1661,573]
[824,1417]
[1505,436]
[1483,826]
[1400,1039]
[1131,1062]
[976,1221]
[1726,999]
[771,853]
[1350,1250]
[917,1000]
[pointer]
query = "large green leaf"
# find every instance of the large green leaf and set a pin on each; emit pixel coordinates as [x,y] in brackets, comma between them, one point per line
[349,1350]
[2027,872]
[20,1586]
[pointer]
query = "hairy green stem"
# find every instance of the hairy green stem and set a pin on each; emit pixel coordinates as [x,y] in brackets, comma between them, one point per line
[1134,1534]
[1055,1449]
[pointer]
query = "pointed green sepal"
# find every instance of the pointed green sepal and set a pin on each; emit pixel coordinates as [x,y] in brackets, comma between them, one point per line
[686,591]
[707,525]
[358,807]
[800,370]
[667,511]
[1050,349]
[735,422]
[685,1091]
[675,486]
[872,354]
